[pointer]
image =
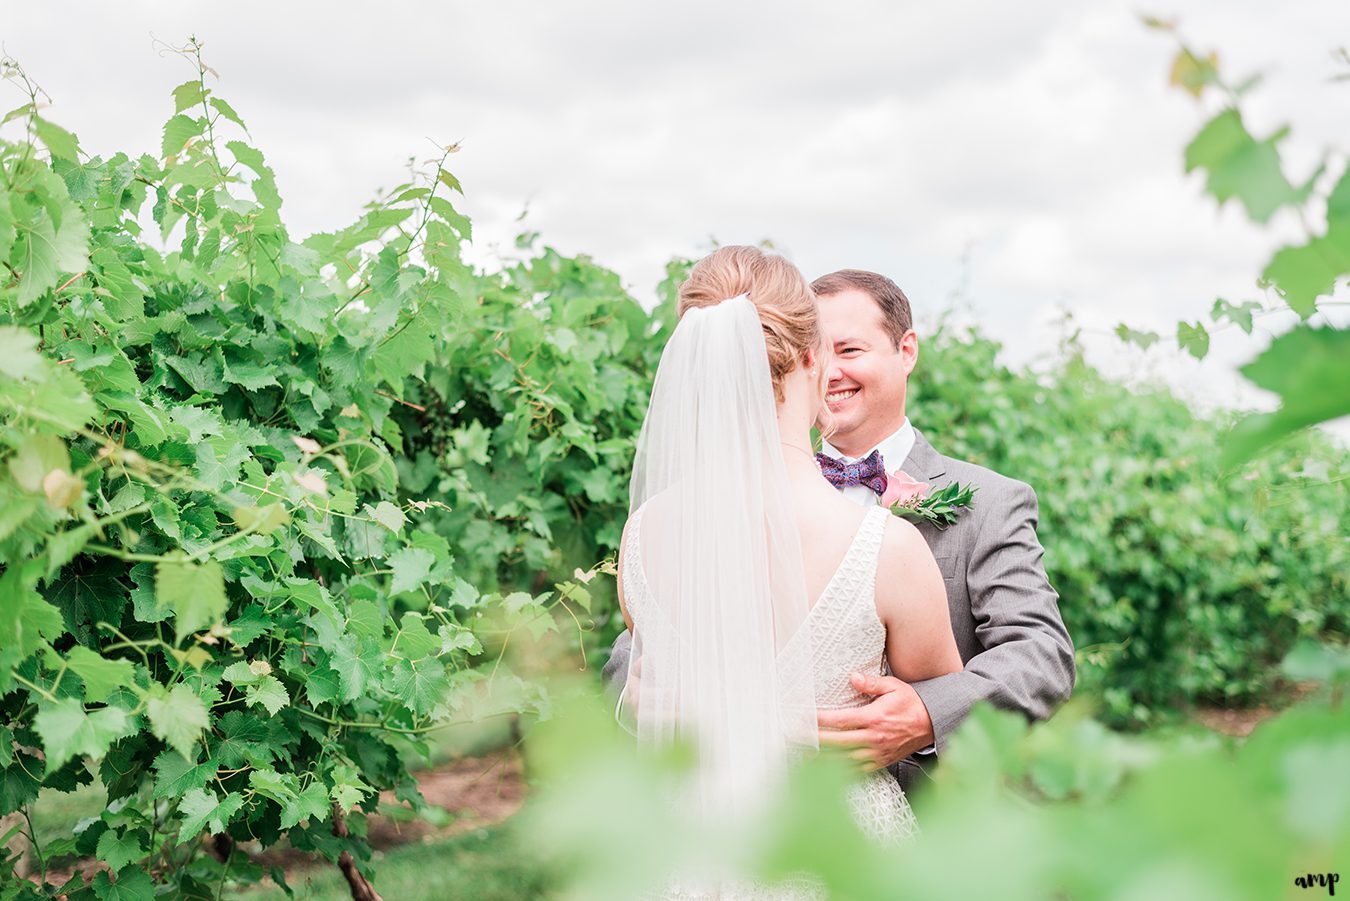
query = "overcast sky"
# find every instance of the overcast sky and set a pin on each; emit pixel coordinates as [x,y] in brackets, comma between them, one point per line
[1016,160]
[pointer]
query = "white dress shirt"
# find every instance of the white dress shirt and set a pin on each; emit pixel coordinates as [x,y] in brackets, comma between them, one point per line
[894,452]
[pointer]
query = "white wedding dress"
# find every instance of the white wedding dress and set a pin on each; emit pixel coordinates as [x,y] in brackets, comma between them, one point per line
[846,637]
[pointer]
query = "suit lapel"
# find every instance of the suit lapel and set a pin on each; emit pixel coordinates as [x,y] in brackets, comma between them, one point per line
[923,461]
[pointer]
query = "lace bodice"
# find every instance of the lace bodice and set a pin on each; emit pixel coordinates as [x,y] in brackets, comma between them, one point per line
[846,634]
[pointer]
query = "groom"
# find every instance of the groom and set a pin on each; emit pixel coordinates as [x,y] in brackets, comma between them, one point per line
[1004,613]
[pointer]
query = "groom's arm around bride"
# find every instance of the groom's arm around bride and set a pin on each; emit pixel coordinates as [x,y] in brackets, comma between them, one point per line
[1005,616]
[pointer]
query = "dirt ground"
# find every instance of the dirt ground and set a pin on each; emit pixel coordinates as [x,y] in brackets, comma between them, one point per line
[477,791]
[1240,723]
[474,791]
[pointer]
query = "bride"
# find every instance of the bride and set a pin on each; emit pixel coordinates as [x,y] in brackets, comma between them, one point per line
[753,588]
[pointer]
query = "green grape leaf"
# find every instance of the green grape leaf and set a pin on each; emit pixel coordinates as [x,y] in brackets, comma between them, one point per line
[346,796]
[280,787]
[414,641]
[577,594]
[42,252]
[250,376]
[68,731]
[265,185]
[269,692]
[25,621]
[1302,366]
[1193,338]
[242,739]
[311,803]
[195,592]
[228,112]
[411,568]
[364,618]
[357,664]
[264,520]
[133,884]
[310,595]
[19,358]
[175,775]
[348,787]
[61,143]
[101,675]
[248,626]
[458,638]
[388,515]
[1238,314]
[1142,340]
[117,848]
[1308,271]
[243,673]
[204,810]
[178,131]
[38,455]
[60,396]
[188,94]
[445,178]
[177,716]
[420,686]
[1240,166]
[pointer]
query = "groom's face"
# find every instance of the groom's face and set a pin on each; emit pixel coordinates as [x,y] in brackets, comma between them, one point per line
[868,373]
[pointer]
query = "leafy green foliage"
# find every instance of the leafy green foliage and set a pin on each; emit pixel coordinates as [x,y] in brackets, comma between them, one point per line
[1062,809]
[1180,580]
[1313,390]
[248,486]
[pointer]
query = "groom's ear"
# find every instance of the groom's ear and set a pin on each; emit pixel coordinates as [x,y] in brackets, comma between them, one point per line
[909,351]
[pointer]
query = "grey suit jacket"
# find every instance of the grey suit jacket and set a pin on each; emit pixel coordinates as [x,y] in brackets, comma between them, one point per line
[1005,615]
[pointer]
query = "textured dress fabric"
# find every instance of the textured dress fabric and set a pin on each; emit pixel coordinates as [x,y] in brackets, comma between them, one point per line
[847,637]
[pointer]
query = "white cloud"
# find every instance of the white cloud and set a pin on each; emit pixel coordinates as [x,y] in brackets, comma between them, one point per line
[1026,157]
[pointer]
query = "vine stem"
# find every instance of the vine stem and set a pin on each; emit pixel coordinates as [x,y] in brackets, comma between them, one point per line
[32,840]
[33,687]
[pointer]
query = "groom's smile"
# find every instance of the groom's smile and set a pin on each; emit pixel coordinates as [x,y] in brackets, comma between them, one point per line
[839,395]
[868,371]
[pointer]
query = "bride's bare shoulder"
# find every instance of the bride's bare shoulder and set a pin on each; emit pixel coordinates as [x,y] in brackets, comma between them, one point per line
[903,549]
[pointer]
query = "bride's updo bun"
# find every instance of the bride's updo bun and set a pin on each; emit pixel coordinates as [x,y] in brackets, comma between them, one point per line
[787,306]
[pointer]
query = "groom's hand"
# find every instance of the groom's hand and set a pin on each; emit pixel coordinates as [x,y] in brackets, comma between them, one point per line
[889,729]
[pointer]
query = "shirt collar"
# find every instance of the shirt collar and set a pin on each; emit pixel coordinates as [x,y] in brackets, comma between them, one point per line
[894,448]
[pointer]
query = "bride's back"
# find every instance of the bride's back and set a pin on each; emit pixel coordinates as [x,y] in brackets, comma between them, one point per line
[826,523]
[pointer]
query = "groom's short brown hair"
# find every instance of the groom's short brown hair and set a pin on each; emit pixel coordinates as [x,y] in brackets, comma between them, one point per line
[894,305]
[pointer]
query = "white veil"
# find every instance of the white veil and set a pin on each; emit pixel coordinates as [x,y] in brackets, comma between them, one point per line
[713,568]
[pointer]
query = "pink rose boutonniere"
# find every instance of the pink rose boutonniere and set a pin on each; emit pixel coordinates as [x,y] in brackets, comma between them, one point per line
[911,499]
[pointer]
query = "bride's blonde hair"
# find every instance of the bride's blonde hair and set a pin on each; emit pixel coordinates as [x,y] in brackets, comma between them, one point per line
[786,304]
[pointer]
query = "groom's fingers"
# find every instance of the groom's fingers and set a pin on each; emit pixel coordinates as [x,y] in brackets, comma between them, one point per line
[854,738]
[845,717]
[874,685]
[868,758]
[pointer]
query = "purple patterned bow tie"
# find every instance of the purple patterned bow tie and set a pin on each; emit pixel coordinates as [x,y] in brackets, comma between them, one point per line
[867,471]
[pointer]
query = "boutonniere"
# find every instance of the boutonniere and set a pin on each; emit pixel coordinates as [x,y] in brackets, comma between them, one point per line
[911,499]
